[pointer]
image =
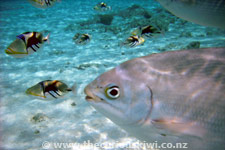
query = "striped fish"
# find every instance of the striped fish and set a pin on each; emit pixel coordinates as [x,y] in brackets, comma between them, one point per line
[147,31]
[49,89]
[26,43]
[102,7]
[82,39]
[43,3]
[203,12]
[133,41]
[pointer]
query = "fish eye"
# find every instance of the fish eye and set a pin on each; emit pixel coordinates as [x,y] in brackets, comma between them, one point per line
[112,92]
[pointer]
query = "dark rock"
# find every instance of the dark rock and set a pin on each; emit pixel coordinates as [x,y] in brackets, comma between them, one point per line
[105,19]
[73,104]
[39,117]
[193,45]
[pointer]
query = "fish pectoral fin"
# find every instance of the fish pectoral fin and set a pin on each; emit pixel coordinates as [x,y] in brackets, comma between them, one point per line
[178,126]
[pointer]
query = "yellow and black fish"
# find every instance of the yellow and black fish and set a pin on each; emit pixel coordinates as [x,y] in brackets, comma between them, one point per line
[81,39]
[147,31]
[43,3]
[49,89]
[102,7]
[26,43]
[133,41]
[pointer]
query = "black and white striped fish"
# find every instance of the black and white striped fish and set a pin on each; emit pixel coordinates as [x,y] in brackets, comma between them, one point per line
[49,89]
[146,31]
[133,41]
[81,39]
[26,43]
[102,7]
[43,3]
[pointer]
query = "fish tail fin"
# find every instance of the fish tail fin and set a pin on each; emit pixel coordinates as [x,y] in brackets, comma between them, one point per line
[162,32]
[46,39]
[121,44]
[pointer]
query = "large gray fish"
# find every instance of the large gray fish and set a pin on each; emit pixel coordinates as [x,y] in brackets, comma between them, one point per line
[176,97]
[203,12]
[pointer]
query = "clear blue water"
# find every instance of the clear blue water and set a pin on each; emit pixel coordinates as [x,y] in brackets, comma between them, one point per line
[63,60]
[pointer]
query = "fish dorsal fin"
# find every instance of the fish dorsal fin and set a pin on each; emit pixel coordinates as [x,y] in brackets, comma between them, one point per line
[178,126]
[22,37]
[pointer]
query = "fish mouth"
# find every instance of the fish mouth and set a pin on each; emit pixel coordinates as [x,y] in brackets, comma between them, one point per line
[90,97]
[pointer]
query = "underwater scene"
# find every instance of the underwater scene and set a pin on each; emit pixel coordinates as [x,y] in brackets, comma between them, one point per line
[64,84]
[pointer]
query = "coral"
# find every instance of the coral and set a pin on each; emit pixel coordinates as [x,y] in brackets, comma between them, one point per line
[127,19]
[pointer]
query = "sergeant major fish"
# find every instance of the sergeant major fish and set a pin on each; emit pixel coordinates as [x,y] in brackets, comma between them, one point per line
[171,97]
[26,43]
[49,89]
[43,3]
[203,12]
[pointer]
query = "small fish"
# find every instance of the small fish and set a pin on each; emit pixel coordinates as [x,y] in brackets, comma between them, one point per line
[203,12]
[50,89]
[81,39]
[26,44]
[102,7]
[147,31]
[171,97]
[133,41]
[43,3]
